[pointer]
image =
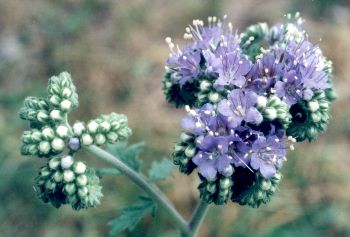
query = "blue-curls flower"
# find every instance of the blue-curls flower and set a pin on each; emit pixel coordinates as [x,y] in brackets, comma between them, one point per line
[212,156]
[184,66]
[233,70]
[240,107]
[267,155]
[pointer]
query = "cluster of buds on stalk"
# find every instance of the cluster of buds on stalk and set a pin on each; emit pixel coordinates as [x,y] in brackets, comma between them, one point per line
[63,179]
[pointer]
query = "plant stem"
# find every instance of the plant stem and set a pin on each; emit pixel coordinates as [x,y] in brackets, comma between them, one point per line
[198,217]
[140,180]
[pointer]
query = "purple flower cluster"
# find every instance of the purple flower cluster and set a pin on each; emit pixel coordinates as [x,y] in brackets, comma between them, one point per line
[250,98]
[224,141]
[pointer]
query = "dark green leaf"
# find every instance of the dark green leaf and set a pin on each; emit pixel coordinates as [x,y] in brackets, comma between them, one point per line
[128,154]
[130,216]
[160,170]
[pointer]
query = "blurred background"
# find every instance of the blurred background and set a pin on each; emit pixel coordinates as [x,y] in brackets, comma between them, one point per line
[115,51]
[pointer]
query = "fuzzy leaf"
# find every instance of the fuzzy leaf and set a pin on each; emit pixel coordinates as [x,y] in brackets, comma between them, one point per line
[128,154]
[130,216]
[160,170]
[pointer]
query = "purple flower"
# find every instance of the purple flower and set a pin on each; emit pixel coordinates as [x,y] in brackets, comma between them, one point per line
[185,67]
[199,121]
[291,88]
[267,155]
[212,156]
[238,150]
[233,69]
[264,73]
[239,107]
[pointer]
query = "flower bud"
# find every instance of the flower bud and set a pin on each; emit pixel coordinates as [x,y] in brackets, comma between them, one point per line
[190,151]
[81,180]
[57,176]
[68,176]
[313,106]
[42,116]
[57,144]
[86,139]
[44,147]
[45,172]
[82,192]
[70,188]
[92,126]
[78,128]
[36,136]
[62,131]
[56,115]
[67,162]
[79,167]
[205,85]
[65,105]
[55,100]
[66,93]
[112,137]
[261,102]
[54,163]
[50,185]
[105,126]
[270,113]
[48,133]
[214,97]
[100,139]
[74,143]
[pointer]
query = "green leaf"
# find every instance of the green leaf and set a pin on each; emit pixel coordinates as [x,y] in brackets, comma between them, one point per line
[160,170]
[130,216]
[128,154]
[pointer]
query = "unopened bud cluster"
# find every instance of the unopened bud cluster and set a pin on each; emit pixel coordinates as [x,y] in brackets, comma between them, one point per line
[66,181]
[105,129]
[249,97]
[63,180]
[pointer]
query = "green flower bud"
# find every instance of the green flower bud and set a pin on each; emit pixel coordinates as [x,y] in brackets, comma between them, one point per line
[48,133]
[50,185]
[86,139]
[56,115]
[270,114]
[79,167]
[55,100]
[67,162]
[81,180]
[62,131]
[105,127]
[44,147]
[83,192]
[57,144]
[100,139]
[68,176]
[261,102]
[65,105]
[58,176]
[70,188]
[78,129]
[92,126]
[190,151]
[66,93]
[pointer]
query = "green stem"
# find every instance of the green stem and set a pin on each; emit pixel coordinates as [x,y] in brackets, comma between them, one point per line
[198,217]
[140,180]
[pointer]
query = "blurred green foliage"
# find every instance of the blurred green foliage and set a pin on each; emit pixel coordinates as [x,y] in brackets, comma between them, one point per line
[115,52]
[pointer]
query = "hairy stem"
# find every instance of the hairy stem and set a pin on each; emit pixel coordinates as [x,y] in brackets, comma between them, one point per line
[198,217]
[140,180]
